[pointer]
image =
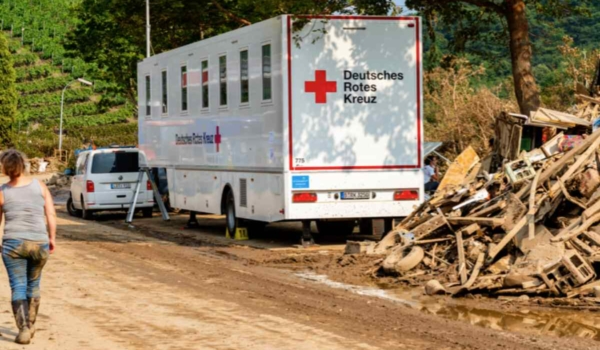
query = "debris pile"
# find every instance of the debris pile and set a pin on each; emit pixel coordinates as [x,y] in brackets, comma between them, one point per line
[511,223]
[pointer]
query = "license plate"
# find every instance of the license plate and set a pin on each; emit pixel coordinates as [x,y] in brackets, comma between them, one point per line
[120,186]
[356,195]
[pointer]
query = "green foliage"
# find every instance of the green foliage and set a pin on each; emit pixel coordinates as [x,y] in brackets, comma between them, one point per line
[121,115]
[26,73]
[25,59]
[43,114]
[53,98]
[44,85]
[8,93]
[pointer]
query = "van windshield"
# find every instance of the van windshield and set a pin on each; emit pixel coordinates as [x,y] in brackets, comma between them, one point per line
[116,162]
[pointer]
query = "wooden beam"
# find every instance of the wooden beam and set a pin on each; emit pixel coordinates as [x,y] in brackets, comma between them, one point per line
[510,235]
[532,207]
[462,266]
[467,220]
[475,272]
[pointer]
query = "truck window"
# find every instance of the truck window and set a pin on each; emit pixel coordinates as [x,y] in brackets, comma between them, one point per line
[115,162]
[223,80]
[148,95]
[204,84]
[244,84]
[164,92]
[266,72]
[184,94]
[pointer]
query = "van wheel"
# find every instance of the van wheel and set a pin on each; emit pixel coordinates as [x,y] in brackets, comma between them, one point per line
[71,208]
[85,213]
[147,212]
[230,219]
[336,228]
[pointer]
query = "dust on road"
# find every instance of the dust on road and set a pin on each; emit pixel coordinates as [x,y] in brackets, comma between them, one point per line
[110,287]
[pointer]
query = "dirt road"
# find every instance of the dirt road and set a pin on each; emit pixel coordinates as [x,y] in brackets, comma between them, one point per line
[111,287]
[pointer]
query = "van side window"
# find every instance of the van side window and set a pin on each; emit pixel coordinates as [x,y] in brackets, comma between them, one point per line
[266,72]
[244,83]
[184,94]
[223,80]
[204,84]
[164,92]
[148,96]
[81,164]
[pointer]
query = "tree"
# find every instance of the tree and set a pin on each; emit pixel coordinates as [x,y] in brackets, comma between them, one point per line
[112,32]
[470,15]
[8,92]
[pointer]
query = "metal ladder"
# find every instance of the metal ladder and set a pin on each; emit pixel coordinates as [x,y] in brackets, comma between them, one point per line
[157,197]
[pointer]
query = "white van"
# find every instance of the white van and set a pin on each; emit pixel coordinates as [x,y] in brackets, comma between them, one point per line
[105,179]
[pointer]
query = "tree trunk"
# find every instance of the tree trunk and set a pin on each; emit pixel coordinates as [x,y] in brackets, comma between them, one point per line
[526,90]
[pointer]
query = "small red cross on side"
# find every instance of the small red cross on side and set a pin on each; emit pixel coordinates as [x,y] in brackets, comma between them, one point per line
[218,139]
[320,86]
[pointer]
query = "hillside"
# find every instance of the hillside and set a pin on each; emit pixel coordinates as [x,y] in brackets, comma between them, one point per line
[36,31]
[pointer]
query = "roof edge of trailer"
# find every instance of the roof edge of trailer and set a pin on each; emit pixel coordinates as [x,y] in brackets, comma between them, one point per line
[239,30]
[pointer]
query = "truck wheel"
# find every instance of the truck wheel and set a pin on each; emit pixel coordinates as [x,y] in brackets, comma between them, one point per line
[147,212]
[230,219]
[71,208]
[336,228]
[85,213]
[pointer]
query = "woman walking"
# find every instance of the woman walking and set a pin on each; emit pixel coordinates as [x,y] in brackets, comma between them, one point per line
[27,242]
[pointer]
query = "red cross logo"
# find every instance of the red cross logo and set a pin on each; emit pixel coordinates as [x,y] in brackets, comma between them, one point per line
[320,86]
[217,139]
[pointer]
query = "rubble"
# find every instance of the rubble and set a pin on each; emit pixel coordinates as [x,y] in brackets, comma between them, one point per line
[513,223]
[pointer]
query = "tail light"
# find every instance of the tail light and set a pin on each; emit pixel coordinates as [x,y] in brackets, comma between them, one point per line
[406,195]
[148,185]
[89,186]
[304,197]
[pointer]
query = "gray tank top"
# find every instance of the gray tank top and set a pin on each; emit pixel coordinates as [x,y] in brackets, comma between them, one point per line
[24,212]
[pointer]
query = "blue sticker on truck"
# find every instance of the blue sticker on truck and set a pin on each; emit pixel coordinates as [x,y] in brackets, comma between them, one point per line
[301,181]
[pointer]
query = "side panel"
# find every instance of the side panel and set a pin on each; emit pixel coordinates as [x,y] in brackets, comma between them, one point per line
[355,93]
[236,135]
[201,191]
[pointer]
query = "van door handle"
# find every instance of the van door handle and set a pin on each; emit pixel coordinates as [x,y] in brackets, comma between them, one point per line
[122,196]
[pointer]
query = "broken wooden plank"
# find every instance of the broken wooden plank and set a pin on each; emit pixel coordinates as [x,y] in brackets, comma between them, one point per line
[507,238]
[483,211]
[459,169]
[435,240]
[440,259]
[532,207]
[579,230]
[467,220]
[429,227]
[475,271]
[462,266]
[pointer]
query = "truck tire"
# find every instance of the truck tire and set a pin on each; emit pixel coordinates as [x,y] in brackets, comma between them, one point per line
[85,213]
[71,208]
[230,219]
[336,228]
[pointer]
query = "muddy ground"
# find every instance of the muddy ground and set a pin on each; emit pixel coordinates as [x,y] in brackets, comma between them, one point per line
[153,285]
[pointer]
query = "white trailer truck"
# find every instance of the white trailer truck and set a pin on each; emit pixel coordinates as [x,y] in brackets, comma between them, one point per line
[293,118]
